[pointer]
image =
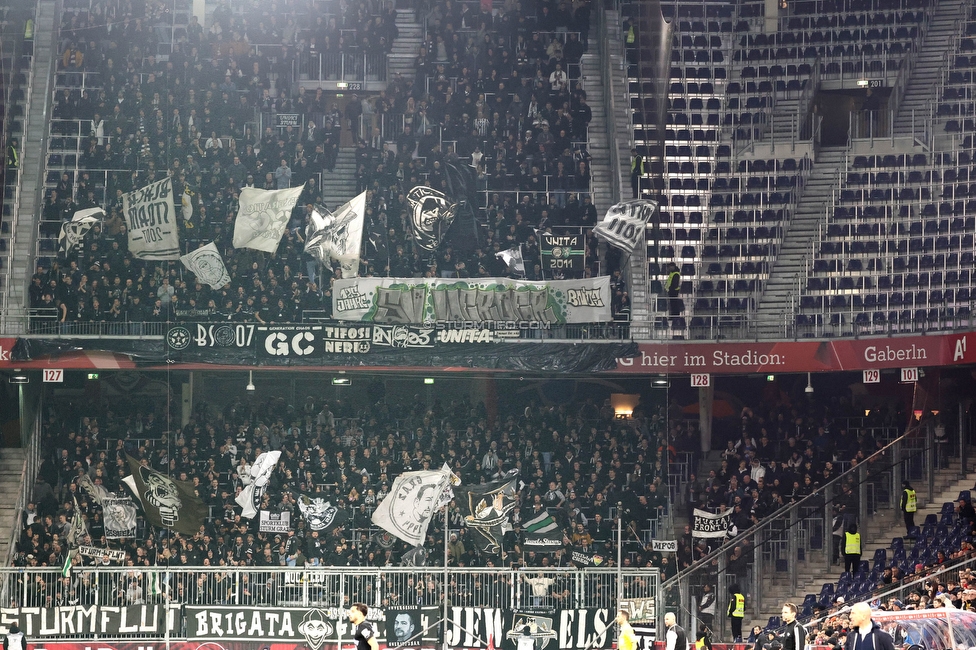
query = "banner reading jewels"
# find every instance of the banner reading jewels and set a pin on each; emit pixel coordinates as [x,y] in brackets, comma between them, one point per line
[417,301]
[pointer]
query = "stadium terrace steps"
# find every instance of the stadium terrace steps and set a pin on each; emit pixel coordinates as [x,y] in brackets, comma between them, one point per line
[781,287]
[11,479]
[339,185]
[405,46]
[928,64]
[877,533]
[32,162]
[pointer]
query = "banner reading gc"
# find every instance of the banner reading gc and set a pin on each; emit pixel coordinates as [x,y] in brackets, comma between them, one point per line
[429,300]
[150,216]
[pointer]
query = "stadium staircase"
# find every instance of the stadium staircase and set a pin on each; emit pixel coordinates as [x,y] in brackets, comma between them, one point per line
[16,65]
[32,160]
[339,185]
[789,264]
[12,477]
[405,46]
[876,533]
[928,66]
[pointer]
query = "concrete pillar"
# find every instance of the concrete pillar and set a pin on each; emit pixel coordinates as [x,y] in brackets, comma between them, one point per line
[771,21]
[706,398]
[200,11]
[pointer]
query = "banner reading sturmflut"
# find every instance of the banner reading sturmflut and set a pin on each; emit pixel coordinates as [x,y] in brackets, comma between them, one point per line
[711,526]
[150,216]
[426,300]
[262,217]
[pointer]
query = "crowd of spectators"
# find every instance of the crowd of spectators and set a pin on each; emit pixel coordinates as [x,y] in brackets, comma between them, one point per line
[499,91]
[955,590]
[574,463]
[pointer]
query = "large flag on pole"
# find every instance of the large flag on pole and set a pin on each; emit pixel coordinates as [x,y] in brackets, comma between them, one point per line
[256,483]
[487,509]
[338,236]
[167,503]
[150,217]
[207,264]
[263,216]
[408,508]
[78,531]
[118,512]
[73,232]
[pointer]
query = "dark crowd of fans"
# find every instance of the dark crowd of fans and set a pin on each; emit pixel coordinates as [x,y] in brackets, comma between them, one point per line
[575,463]
[498,92]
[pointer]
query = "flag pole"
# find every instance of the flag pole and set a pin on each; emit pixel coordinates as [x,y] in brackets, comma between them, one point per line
[447,508]
[620,549]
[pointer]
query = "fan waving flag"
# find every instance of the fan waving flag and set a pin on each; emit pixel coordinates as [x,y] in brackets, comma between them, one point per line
[338,236]
[150,217]
[408,508]
[73,232]
[488,509]
[625,223]
[513,259]
[256,483]
[320,514]
[167,503]
[263,216]
[207,264]
[542,533]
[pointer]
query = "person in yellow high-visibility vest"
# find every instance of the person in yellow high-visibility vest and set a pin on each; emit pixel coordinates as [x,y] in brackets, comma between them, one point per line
[852,549]
[737,612]
[909,505]
[626,637]
[636,171]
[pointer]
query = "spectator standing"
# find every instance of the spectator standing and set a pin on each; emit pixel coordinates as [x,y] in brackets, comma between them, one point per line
[673,287]
[14,639]
[282,176]
[706,607]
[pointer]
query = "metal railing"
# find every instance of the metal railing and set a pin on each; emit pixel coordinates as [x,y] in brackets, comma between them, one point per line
[797,532]
[350,67]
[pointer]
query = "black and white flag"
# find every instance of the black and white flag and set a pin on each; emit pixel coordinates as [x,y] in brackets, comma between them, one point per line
[338,236]
[320,514]
[625,223]
[73,232]
[118,513]
[207,264]
[708,525]
[150,217]
[431,215]
[256,483]
[78,531]
[408,508]
[513,259]
[166,502]
[488,510]
[263,217]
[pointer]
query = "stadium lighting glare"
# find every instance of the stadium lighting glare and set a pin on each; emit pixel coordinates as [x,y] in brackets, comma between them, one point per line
[250,382]
[809,389]
[341,381]
[428,380]
[19,378]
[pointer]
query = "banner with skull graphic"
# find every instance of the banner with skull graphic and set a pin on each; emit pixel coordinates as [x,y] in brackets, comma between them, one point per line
[433,210]
[166,502]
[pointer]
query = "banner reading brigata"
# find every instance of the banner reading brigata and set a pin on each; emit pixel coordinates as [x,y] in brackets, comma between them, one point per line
[150,216]
[426,300]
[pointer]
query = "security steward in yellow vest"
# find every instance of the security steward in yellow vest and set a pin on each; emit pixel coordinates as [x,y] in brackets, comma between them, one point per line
[636,171]
[909,505]
[852,549]
[737,612]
